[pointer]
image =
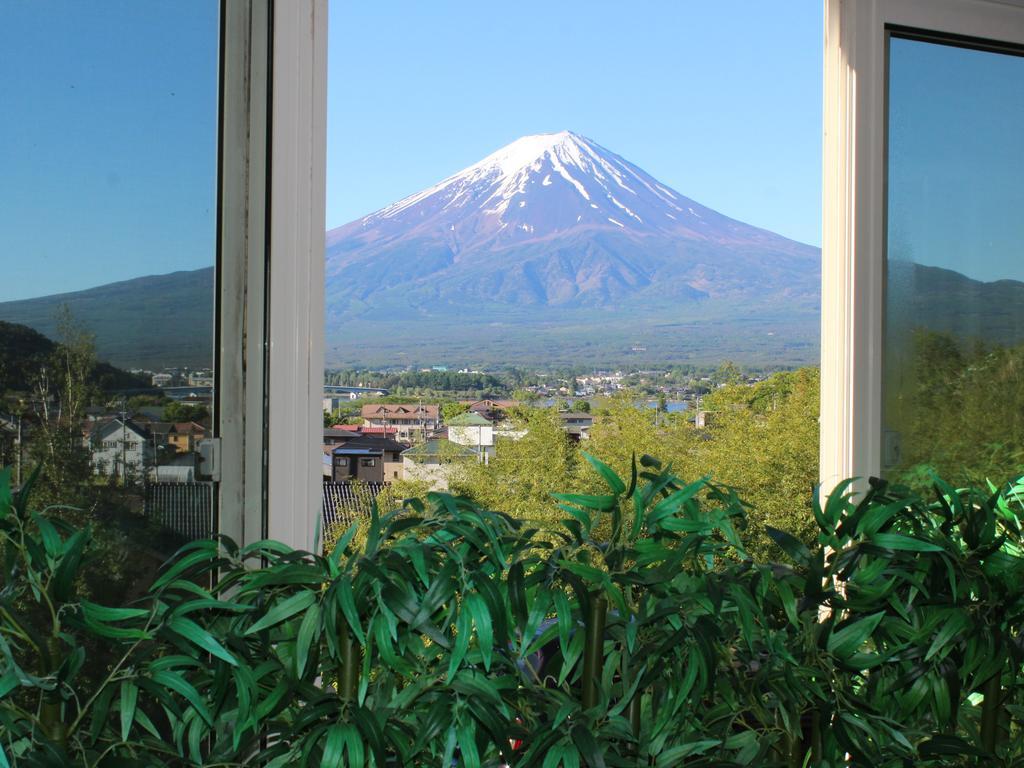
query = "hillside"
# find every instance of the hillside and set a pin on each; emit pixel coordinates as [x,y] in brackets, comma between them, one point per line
[148,322]
[24,351]
[947,301]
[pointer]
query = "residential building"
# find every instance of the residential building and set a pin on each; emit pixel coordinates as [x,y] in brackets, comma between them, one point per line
[492,410]
[473,431]
[162,379]
[185,436]
[341,433]
[411,422]
[364,458]
[200,379]
[433,461]
[577,425]
[120,447]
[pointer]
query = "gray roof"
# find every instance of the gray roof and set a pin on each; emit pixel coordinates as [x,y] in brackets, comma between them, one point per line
[469,419]
[432,449]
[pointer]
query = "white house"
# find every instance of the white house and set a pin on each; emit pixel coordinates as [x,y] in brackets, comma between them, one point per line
[433,461]
[473,431]
[118,445]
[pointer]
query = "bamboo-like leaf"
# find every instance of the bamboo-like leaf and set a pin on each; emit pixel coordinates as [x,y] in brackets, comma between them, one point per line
[610,477]
[51,539]
[588,501]
[283,610]
[671,757]
[788,601]
[201,638]
[791,545]
[129,700]
[463,633]
[467,743]
[178,684]
[347,601]
[898,541]
[334,747]
[309,633]
[587,745]
[206,553]
[484,628]
[948,630]
[67,570]
[846,641]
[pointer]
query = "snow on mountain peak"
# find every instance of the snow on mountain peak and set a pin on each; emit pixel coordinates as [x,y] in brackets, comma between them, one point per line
[597,178]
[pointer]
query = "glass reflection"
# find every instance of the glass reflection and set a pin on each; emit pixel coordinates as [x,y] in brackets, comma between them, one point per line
[107,250]
[953,381]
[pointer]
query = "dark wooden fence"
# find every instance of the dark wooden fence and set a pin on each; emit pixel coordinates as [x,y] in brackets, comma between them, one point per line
[346,502]
[185,508]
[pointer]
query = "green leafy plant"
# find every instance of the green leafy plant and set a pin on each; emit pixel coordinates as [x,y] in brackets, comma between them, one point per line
[641,633]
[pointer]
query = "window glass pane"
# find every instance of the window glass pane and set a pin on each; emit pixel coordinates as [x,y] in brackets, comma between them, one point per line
[107,246]
[954,323]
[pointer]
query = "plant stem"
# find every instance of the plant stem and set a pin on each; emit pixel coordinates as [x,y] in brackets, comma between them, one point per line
[50,717]
[633,715]
[815,737]
[990,712]
[593,649]
[348,684]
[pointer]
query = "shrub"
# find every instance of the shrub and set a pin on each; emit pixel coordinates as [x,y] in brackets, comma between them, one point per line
[641,633]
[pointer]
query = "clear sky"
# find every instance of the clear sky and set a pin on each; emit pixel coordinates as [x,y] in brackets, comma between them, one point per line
[720,100]
[956,159]
[108,141]
[108,129]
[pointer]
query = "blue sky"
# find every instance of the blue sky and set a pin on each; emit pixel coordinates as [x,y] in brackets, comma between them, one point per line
[720,100]
[110,114]
[956,160]
[109,141]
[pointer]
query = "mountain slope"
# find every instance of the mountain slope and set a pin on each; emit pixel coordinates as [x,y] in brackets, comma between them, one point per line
[154,321]
[554,236]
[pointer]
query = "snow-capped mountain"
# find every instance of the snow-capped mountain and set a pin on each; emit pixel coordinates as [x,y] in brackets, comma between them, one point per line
[550,225]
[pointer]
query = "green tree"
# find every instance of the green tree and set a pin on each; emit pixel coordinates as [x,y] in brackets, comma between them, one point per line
[581,406]
[523,474]
[177,412]
[525,396]
[452,409]
[763,440]
[728,373]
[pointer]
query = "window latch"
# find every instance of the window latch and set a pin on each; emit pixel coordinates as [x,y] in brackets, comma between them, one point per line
[209,458]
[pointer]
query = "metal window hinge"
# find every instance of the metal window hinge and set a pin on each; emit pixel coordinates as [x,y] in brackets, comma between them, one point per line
[209,458]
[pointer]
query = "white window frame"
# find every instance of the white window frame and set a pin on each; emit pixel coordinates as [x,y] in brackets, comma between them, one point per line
[854,212]
[270,274]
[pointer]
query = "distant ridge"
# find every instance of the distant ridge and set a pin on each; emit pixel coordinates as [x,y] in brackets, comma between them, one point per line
[551,251]
[145,322]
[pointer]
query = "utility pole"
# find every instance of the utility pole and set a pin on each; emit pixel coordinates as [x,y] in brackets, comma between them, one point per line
[124,444]
[17,462]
